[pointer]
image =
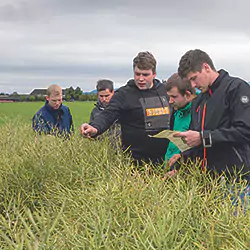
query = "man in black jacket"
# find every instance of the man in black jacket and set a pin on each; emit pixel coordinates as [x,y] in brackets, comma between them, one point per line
[220,124]
[142,108]
[105,91]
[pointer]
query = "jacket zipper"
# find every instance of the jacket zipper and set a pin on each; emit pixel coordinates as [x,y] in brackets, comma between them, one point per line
[237,153]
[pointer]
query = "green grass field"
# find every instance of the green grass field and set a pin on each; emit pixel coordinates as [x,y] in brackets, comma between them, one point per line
[22,112]
[80,194]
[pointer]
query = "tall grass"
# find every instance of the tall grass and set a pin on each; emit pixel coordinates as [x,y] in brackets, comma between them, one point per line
[80,194]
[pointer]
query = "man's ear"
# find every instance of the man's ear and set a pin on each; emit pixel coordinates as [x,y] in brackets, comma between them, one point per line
[47,97]
[188,95]
[206,67]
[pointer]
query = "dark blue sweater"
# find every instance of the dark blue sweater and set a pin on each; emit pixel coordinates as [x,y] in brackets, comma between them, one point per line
[50,121]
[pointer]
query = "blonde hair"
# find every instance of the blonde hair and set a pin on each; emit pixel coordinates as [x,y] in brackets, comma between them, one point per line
[55,89]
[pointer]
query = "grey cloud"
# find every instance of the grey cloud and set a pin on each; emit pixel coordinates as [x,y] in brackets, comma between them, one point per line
[193,15]
[81,41]
[214,12]
[23,11]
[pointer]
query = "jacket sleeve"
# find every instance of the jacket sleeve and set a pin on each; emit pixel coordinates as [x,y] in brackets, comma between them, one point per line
[71,121]
[110,114]
[91,119]
[239,131]
[190,154]
[39,124]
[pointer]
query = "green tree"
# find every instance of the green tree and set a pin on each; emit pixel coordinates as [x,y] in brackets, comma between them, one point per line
[77,93]
[14,94]
[24,98]
[32,98]
[69,93]
[83,98]
[41,98]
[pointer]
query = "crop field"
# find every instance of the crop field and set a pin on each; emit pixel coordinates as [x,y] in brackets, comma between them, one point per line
[81,194]
[22,112]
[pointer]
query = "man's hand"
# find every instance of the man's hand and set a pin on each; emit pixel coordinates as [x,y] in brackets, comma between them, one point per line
[173,159]
[170,174]
[192,138]
[87,130]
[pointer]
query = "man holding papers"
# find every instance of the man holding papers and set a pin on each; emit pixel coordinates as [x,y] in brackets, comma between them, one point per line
[220,124]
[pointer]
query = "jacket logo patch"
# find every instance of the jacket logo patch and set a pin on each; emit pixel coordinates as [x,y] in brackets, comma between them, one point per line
[157,111]
[244,99]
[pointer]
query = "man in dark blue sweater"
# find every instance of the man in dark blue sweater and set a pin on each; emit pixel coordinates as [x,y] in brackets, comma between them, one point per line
[53,118]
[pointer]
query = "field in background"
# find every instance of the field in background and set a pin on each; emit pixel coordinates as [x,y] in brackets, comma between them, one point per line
[22,112]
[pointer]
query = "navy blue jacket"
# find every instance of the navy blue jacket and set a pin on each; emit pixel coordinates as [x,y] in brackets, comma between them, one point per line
[50,121]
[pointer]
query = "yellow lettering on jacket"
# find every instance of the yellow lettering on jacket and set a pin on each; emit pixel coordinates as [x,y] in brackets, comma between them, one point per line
[157,111]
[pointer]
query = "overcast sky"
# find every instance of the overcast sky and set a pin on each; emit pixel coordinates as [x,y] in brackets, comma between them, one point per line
[76,42]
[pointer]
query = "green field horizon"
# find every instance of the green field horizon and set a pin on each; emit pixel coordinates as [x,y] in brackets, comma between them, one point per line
[22,112]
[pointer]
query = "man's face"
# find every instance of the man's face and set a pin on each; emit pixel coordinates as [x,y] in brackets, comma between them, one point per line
[200,80]
[144,78]
[177,99]
[105,96]
[54,100]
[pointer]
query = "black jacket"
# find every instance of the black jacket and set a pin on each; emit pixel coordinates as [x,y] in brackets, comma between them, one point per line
[114,131]
[141,113]
[96,110]
[226,127]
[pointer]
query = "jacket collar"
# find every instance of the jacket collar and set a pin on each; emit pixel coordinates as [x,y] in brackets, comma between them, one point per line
[156,84]
[216,83]
[181,112]
[50,109]
[99,105]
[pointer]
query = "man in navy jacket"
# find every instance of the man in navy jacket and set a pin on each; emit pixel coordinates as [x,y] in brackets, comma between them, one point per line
[53,118]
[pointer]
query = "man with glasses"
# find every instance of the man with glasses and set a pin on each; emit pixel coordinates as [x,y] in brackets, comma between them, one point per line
[142,108]
[54,117]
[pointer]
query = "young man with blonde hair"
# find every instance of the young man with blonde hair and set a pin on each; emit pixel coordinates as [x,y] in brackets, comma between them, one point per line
[54,117]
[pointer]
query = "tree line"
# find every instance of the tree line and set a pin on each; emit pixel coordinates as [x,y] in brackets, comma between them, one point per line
[70,94]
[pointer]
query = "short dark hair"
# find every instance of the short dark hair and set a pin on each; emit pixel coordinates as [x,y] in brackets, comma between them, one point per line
[192,61]
[145,61]
[104,84]
[182,85]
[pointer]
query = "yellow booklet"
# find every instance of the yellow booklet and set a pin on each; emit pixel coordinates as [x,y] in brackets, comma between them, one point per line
[178,141]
